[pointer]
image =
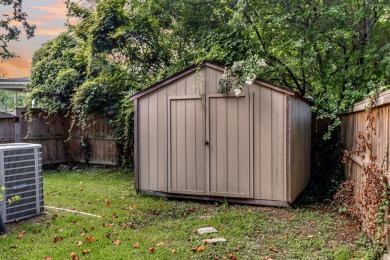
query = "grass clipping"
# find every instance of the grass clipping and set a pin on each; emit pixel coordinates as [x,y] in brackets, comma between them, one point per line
[369,201]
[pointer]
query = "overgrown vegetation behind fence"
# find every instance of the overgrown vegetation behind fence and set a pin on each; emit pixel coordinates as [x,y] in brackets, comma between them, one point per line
[94,144]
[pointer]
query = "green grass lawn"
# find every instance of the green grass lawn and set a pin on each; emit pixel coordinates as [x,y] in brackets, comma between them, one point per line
[166,227]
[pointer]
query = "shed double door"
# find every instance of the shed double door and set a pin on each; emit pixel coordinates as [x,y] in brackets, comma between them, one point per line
[209,145]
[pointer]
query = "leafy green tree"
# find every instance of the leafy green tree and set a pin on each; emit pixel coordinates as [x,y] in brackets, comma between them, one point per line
[7,100]
[10,32]
[56,72]
[331,52]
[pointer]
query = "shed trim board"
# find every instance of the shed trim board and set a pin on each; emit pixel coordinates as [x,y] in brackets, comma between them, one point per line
[197,67]
[192,142]
[136,162]
[288,149]
[259,202]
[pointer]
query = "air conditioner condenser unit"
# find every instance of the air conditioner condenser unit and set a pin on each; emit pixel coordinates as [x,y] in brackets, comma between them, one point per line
[21,175]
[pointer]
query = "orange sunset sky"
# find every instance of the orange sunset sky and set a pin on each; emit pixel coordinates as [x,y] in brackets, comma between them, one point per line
[49,16]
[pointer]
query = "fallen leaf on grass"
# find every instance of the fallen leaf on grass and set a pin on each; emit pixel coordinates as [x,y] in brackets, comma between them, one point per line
[56,239]
[160,244]
[136,245]
[79,243]
[83,232]
[48,258]
[86,251]
[237,248]
[116,241]
[123,226]
[14,246]
[90,239]
[81,189]
[273,249]
[108,204]
[200,249]
[191,210]
[130,224]
[151,249]
[115,215]
[74,256]
[232,257]
[22,234]
[106,224]
[173,251]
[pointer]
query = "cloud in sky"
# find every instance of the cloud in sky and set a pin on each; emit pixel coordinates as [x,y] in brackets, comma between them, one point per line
[49,16]
[15,68]
[56,9]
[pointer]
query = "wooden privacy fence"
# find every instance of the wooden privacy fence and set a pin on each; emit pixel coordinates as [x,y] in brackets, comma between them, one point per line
[353,122]
[7,131]
[58,145]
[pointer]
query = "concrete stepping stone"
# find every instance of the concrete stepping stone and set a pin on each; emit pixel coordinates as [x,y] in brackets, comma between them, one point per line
[214,240]
[206,230]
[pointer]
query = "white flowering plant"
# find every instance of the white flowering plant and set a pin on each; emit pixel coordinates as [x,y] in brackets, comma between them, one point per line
[241,73]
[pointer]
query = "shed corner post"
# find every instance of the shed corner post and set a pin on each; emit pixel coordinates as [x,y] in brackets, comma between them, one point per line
[288,147]
[136,154]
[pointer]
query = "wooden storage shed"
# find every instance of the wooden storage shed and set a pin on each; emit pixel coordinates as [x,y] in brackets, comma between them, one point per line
[191,142]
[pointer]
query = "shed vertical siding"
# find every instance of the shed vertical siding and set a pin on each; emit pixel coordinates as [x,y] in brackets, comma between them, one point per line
[229,149]
[300,137]
[152,129]
[186,157]
[212,77]
[143,143]
[153,141]
[278,138]
[162,140]
[249,139]
[269,147]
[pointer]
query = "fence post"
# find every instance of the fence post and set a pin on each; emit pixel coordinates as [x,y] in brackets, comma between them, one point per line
[17,124]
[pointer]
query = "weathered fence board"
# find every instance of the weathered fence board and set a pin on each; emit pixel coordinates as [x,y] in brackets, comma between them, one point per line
[354,121]
[58,144]
[7,131]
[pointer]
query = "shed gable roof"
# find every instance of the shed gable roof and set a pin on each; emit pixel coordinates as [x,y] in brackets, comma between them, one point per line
[194,68]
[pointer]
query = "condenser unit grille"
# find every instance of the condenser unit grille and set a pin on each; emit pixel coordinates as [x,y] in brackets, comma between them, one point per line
[21,175]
